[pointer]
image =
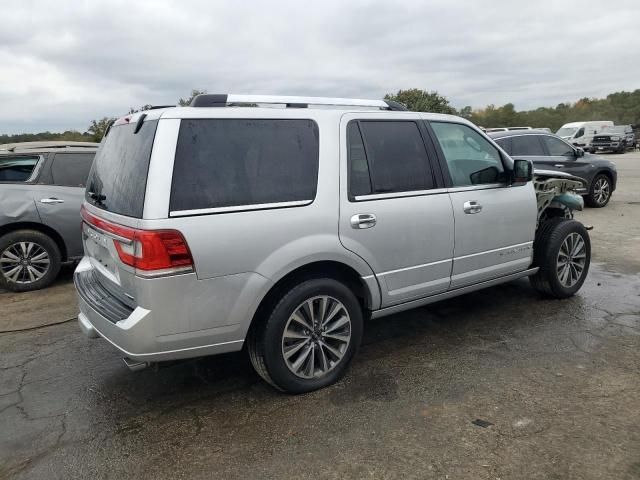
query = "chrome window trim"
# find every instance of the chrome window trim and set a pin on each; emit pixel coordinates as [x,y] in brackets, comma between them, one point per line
[239,208]
[412,193]
[486,186]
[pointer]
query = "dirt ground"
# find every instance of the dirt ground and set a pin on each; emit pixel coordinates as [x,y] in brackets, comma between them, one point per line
[498,384]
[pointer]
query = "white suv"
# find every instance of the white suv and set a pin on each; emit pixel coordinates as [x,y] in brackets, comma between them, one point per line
[212,227]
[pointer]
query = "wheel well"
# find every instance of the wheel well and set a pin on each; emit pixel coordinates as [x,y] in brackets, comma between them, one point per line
[325,269]
[12,227]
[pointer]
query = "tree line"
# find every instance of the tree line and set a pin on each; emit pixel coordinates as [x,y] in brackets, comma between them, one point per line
[623,108]
[620,107]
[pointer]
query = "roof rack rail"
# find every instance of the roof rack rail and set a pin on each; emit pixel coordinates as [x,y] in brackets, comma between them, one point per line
[48,145]
[223,100]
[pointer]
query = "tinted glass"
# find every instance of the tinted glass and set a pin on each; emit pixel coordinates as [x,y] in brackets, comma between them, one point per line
[233,162]
[505,144]
[527,145]
[471,158]
[17,169]
[71,169]
[557,147]
[396,156]
[359,180]
[119,175]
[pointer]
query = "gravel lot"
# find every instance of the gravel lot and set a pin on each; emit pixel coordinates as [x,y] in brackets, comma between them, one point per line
[552,387]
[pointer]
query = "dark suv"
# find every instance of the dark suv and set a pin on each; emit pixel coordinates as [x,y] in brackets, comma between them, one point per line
[550,152]
[41,191]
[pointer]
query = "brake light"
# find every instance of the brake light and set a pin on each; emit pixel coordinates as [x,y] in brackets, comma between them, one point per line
[150,252]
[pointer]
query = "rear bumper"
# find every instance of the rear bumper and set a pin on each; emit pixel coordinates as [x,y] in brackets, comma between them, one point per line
[140,335]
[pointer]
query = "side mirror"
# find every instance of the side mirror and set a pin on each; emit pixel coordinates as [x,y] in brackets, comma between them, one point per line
[579,152]
[522,172]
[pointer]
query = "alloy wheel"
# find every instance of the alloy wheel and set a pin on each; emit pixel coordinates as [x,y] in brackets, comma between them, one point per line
[601,191]
[24,262]
[316,337]
[571,260]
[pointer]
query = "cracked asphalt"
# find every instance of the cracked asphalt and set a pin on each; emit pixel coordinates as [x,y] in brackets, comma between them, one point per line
[495,384]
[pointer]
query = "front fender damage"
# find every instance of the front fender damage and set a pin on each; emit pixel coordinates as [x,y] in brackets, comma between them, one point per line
[557,190]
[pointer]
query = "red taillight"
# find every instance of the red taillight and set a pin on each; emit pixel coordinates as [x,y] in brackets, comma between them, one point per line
[151,251]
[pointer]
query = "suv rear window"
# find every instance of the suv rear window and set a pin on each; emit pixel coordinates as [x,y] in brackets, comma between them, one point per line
[17,169]
[243,162]
[118,178]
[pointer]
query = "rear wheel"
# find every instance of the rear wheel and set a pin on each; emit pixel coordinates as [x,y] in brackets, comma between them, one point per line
[310,337]
[599,192]
[29,260]
[562,252]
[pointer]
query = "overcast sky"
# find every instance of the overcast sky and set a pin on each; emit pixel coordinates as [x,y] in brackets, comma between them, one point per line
[63,63]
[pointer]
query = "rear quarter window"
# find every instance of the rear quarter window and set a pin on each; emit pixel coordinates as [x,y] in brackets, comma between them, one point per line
[243,162]
[17,168]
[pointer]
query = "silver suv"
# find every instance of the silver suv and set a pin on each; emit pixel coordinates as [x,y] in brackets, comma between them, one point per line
[216,226]
[41,191]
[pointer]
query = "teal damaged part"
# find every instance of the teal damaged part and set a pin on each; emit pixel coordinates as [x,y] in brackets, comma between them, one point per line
[571,200]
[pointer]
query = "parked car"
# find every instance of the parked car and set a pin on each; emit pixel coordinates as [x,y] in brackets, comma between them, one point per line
[580,134]
[616,139]
[548,151]
[41,192]
[209,228]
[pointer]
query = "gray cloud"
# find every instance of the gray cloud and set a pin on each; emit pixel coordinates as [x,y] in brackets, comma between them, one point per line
[65,63]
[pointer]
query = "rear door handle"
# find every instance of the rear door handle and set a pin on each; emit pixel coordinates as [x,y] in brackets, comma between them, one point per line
[559,165]
[51,201]
[472,207]
[363,220]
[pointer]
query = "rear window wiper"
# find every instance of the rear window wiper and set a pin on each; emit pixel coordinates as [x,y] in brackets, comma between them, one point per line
[97,197]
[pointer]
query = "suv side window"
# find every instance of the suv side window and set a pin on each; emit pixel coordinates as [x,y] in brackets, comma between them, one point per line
[505,144]
[527,145]
[242,162]
[71,169]
[471,158]
[387,157]
[18,168]
[557,147]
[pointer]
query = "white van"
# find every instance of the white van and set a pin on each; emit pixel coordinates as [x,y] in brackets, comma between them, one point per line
[581,134]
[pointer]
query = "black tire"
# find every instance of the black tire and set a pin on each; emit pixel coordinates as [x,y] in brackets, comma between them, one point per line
[46,243]
[593,199]
[265,342]
[549,239]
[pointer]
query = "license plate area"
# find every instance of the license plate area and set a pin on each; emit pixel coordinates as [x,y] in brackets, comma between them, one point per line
[98,246]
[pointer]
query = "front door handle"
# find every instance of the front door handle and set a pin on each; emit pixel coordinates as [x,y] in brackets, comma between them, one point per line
[363,220]
[51,201]
[472,207]
[559,165]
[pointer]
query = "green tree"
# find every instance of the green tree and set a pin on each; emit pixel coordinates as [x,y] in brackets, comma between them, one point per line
[98,128]
[418,100]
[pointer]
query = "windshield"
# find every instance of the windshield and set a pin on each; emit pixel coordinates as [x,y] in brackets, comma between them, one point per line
[566,131]
[118,178]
